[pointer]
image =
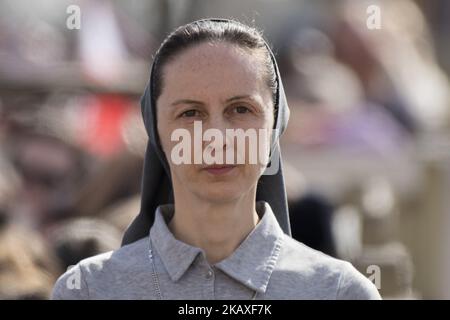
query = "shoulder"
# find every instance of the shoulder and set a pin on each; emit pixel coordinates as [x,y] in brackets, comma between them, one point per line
[92,277]
[318,275]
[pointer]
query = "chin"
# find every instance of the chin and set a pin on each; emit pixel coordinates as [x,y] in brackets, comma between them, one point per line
[229,187]
[221,194]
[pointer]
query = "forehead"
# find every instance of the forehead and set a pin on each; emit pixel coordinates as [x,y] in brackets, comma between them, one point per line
[213,70]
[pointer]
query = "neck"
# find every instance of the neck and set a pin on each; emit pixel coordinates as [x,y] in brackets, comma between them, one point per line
[217,228]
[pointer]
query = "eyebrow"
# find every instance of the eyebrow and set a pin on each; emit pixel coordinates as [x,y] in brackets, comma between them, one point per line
[186,101]
[189,101]
[245,96]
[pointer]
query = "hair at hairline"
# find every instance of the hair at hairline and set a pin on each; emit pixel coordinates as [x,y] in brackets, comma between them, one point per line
[202,31]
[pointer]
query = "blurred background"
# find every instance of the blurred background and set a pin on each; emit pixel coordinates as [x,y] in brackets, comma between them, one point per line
[367,150]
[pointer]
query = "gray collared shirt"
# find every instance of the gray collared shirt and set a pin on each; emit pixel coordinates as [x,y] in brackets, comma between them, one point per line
[268,264]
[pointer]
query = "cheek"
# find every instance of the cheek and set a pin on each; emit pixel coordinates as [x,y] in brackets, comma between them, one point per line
[270,117]
[164,132]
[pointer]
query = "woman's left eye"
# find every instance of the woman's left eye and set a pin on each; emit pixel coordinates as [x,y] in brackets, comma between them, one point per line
[241,109]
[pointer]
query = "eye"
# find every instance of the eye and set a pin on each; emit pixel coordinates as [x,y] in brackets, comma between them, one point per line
[190,113]
[241,109]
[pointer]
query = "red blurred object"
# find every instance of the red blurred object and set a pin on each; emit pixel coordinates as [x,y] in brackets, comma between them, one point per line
[102,124]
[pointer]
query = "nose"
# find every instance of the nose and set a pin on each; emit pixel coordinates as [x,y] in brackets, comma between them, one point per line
[215,134]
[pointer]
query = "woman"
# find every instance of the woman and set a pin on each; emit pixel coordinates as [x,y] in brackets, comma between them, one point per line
[218,231]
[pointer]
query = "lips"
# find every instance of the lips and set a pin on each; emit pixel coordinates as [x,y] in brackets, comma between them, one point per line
[219,169]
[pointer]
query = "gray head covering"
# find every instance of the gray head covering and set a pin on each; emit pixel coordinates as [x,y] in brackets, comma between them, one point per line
[156,183]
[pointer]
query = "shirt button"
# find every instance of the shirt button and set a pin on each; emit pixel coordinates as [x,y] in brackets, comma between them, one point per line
[209,275]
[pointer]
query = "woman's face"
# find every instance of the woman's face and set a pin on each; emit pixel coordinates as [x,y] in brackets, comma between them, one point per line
[223,87]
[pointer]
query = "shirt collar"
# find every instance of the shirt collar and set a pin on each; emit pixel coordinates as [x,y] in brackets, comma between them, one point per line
[251,263]
[176,255]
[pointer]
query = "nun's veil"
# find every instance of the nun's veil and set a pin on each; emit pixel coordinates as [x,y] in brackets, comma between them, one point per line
[156,184]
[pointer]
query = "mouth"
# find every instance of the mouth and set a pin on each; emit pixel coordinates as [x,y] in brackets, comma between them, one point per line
[219,169]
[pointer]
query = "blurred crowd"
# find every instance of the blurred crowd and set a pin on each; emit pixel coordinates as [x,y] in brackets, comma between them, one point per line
[366,150]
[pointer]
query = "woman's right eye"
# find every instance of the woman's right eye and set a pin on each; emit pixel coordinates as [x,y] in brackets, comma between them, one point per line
[189,113]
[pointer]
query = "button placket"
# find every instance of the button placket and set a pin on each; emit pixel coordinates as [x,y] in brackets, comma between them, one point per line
[209,274]
[209,283]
